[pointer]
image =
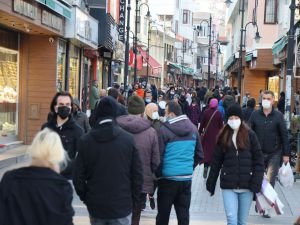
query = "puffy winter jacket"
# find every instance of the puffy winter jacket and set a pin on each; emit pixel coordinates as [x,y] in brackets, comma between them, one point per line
[242,169]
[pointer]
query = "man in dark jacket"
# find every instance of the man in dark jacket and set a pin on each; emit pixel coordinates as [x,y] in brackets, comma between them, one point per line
[250,107]
[121,110]
[80,117]
[269,126]
[108,174]
[181,152]
[62,122]
[146,143]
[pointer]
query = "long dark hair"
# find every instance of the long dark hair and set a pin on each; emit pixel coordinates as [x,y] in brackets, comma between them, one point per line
[54,100]
[225,137]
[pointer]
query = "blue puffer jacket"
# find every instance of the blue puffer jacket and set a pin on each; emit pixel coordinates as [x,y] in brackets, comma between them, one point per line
[180,149]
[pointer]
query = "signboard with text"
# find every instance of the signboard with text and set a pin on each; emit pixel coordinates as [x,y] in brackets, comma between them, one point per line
[121,26]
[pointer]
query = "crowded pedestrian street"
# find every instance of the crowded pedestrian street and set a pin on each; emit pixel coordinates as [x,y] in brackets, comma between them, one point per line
[149,112]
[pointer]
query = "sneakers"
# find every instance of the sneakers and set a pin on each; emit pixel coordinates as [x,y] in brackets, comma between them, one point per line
[152,202]
[266,216]
[205,172]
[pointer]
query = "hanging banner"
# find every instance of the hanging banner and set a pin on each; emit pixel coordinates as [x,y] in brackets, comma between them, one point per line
[122,15]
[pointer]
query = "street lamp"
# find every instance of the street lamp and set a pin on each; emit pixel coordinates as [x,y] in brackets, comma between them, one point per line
[137,15]
[257,35]
[181,62]
[127,47]
[242,43]
[199,28]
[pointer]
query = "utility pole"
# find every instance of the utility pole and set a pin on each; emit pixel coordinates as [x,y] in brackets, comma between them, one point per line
[163,60]
[135,39]
[127,46]
[147,79]
[241,10]
[209,53]
[289,65]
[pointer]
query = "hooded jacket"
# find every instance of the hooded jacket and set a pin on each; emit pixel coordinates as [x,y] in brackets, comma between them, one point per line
[146,142]
[69,134]
[35,196]
[108,173]
[180,149]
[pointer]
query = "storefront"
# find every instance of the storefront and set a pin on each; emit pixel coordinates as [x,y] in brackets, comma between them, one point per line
[9,76]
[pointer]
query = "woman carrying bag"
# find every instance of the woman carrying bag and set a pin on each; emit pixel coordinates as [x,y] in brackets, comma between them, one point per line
[239,157]
[210,126]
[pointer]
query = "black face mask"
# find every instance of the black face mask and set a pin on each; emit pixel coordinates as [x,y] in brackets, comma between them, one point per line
[63,111]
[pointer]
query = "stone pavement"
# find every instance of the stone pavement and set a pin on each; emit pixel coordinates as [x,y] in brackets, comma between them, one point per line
[205,210]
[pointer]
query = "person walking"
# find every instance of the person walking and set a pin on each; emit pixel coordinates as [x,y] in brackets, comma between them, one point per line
[193,112]
[151,112]
[94,95]
[63,123]
[269,126]
[239,158]
[37,194]
[178,137]
[80,117]
[108,172]
[281,103]
[250,108]
[211,124]
[146,142]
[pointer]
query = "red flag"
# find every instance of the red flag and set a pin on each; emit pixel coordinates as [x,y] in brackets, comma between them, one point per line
[139,59]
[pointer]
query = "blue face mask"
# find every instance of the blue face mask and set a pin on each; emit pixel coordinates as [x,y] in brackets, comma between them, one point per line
[148,100]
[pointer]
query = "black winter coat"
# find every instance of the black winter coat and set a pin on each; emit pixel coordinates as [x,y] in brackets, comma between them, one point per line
[69,134]
[35,196]
[239,169]
[108,172]
[271,132]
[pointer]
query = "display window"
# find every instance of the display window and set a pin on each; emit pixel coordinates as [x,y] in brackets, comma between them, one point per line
[273,85]
[74,84]
[8,92]
[61,66]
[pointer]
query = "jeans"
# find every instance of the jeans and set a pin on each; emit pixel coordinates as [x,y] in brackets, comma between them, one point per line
[173,192]
[237,206]
[120,221]
[137,209]
[272,164]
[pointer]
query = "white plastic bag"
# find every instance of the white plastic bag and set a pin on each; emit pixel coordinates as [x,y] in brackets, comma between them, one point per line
[285,175]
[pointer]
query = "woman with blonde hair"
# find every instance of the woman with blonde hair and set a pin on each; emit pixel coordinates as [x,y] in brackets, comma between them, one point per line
[38,194]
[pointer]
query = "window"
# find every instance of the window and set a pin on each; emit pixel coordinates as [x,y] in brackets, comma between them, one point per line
[270,11]
[176,27]
[202,30]
[185,44]
[185,16]
[204,60]
[198,62]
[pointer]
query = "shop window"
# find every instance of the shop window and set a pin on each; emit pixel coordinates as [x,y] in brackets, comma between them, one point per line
[273,85]
[270,11]
[8,93]
[61,66]
[74,78]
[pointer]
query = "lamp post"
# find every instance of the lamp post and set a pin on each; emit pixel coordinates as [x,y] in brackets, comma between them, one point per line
[127,46]
[199,28]
[181,62]
[242,41]
[137,20]
[217,44]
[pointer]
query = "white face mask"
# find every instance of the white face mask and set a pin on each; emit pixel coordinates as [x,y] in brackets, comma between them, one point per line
[155,116]
[266,104]
[234,124]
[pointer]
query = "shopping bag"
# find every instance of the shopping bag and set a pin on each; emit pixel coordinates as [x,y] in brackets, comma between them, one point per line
[285,175]
[267,200]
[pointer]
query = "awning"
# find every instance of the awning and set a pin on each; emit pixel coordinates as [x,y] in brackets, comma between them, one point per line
[229,62]
[279,45]
[152,62]
[183,69]
[248,57]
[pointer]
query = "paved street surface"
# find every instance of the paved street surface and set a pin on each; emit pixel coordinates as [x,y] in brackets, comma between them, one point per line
[206,210]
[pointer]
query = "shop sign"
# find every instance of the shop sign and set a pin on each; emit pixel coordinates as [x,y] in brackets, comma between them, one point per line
[121,26]
[82,27]
[25,9]
[52,20]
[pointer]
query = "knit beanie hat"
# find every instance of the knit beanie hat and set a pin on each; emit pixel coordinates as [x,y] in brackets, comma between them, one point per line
[136,105]
[150,108]
[107,107]
[234,110]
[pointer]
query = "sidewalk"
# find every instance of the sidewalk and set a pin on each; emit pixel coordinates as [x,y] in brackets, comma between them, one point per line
[12,155]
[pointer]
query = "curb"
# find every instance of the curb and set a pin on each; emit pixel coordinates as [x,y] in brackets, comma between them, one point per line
[13,156]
